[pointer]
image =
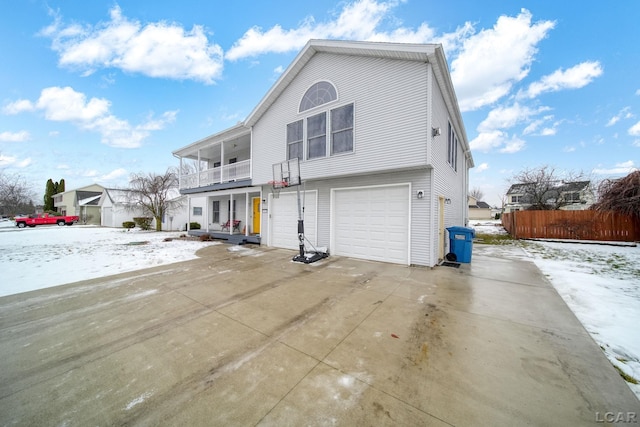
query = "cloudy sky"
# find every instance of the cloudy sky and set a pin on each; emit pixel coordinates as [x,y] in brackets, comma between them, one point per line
[94,91]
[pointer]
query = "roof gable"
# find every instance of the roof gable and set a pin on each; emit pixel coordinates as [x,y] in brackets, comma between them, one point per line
[427,53]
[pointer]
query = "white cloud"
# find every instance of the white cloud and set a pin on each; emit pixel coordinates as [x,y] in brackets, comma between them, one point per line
[513,146]
[636,143]
[18,107]
[67,105]
[635,130]
[24,163]
[638,92]
[490,62]
[14,161]
[21,136]
[625,113]
[569,149]
[115,174]
[358,20]
[507,117]
[573,78]
[7,160]
[618,169]
[157,49]
[486,141]
[482,167]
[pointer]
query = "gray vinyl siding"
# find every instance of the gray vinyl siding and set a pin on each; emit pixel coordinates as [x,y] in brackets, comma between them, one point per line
[390,117]
[421,224]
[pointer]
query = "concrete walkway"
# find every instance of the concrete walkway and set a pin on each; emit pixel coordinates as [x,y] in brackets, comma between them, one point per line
[243,336]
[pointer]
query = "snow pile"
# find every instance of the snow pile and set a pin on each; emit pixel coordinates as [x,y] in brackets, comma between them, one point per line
[45,256]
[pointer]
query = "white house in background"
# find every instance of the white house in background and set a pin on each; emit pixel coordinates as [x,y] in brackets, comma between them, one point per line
[177,216]
[383,154]
[116,208]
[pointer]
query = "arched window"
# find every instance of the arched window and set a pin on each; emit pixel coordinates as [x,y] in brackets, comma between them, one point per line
[318,94]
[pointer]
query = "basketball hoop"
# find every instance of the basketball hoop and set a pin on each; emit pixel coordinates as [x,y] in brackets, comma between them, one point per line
[276,186]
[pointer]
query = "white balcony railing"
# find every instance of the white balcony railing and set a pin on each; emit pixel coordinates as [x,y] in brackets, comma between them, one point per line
[219,175]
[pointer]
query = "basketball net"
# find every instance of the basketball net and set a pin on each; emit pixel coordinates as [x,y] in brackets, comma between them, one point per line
[276,186]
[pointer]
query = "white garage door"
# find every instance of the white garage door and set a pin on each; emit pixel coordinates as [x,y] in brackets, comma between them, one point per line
[283,219]
[372,223]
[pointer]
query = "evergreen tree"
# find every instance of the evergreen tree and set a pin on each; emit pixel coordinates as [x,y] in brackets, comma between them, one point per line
[48,195]
[60,186]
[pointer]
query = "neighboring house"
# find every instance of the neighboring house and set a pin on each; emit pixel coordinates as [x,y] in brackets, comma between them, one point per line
[383,154]
[479,209]
[578,196]
[117,207]
[569,196]
[177,216]
[83,202]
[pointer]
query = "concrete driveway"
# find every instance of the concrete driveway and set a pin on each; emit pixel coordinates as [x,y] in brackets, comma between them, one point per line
[244,336]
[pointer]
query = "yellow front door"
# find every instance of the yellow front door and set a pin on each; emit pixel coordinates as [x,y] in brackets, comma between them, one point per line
[256,215]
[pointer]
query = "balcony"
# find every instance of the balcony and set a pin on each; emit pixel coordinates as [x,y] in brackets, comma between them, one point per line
[218,175]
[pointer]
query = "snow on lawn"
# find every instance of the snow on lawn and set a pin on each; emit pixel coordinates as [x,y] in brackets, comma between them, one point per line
[600,284]
[45,256]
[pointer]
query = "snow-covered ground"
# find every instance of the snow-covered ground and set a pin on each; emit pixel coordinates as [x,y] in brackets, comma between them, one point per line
[46,256]
[600,284]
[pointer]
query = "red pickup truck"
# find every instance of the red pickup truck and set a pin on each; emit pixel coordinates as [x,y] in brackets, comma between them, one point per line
[45,219]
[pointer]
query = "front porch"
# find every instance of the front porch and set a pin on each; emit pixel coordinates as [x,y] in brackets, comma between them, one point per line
[233,215]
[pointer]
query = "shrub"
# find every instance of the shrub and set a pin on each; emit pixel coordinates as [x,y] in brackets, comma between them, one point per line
[128,224]
[143,222]
[194,226]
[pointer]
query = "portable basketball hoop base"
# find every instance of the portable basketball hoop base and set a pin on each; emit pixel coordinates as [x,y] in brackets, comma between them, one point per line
[287,174]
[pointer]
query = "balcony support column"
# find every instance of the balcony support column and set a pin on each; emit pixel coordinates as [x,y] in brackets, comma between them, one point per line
[198,168]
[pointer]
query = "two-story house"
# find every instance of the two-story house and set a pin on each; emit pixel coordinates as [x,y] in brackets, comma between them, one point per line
[83,202]
[382,149]
[577,195]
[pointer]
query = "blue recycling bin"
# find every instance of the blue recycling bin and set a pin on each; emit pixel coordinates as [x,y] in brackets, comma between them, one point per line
[461,242]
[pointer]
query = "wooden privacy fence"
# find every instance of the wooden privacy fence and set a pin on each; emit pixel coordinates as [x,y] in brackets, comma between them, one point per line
[577,225]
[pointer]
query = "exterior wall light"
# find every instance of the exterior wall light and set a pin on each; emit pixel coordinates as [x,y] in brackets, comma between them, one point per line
[435,131]
[447,201]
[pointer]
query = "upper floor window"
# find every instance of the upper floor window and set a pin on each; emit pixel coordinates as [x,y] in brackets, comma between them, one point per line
[452,148]
[572,197]
[318,94]
[294,140]
[317,136]
[516,199]
[342,129]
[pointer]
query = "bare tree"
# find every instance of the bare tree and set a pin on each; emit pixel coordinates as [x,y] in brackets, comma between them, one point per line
[477,193]
[153,193]
[620,195]
[15,195]
[544,188]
